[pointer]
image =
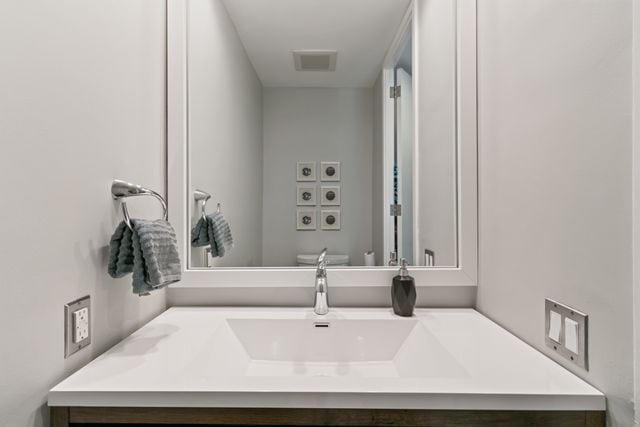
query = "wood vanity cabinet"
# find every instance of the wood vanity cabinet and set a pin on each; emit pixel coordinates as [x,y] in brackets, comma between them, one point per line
[85,416]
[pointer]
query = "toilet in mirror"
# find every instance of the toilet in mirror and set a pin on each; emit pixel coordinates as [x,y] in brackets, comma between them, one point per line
[302,134]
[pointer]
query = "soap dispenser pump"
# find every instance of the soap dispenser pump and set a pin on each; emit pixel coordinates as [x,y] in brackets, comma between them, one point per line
[403,291]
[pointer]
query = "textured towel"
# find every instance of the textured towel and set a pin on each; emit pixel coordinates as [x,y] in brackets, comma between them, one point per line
[200,233]
[221,234]
[149,251]
[213,230]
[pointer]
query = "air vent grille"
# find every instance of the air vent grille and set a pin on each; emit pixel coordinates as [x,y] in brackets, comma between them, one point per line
[315,60]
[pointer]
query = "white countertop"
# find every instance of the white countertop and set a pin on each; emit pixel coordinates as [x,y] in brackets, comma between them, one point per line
[190,357]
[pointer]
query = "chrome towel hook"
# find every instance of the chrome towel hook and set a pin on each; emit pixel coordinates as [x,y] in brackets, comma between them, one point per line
[122,189]
[202,196]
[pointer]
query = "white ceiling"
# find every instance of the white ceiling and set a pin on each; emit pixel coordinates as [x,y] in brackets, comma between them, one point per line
[360,30]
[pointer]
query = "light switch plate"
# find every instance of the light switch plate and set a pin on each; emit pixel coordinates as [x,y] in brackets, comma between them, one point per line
[568,316]
[77,325]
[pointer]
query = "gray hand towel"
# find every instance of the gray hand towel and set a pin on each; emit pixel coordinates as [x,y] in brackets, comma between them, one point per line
[221,232]
[200,233]
[149,251]
[213,230]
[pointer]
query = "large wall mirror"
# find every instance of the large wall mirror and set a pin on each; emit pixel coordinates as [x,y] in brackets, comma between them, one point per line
[305,124]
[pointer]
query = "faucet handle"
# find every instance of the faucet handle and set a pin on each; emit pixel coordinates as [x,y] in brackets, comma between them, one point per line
[321,257]
[321,264]
[321,304]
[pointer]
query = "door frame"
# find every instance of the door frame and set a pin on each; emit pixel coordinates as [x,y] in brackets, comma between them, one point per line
[405,32]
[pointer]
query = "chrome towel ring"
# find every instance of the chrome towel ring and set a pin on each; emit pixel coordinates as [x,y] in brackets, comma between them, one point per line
[122,189]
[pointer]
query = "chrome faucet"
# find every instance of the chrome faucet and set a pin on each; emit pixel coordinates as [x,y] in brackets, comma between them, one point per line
[321,303]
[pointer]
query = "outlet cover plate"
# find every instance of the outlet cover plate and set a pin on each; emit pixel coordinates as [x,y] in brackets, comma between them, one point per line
[70,345]
[566,312]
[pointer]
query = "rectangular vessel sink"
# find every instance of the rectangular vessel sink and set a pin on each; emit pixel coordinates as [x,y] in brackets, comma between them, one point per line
[338,347]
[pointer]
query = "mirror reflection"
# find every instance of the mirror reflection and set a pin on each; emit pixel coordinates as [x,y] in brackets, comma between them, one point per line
[310,127]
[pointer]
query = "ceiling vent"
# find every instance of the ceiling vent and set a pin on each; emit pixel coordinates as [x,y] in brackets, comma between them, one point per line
[315,60]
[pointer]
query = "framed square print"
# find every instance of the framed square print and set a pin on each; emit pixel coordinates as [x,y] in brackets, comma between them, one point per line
[330,219]
[330,171]
[330,195]
[306,195]
[306,171]
[306,219]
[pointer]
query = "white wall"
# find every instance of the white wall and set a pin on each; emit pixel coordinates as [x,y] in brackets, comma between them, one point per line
[636,206]
[225,132]
[307,124]
[436,168]
[82,102]
[555,176]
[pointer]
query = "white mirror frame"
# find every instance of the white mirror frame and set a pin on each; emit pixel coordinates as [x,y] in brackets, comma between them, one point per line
[459,280]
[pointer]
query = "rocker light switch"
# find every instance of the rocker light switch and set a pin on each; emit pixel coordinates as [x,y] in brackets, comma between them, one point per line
[555,326]
[571,335]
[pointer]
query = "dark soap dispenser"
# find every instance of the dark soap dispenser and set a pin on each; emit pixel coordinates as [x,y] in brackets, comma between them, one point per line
[403,291]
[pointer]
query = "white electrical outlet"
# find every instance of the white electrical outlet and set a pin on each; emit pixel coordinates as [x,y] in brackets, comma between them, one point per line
[80,324]
[77,330]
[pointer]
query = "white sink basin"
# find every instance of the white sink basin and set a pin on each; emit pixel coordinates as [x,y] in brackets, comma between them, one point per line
[363,347]
[337,341]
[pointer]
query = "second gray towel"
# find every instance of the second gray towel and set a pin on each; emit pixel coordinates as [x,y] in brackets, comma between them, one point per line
[149,251]
[213,230]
